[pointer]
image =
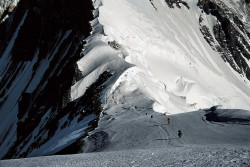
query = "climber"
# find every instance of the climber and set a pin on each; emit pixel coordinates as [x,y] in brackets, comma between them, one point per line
[114,45]
[179,133]
[168,121]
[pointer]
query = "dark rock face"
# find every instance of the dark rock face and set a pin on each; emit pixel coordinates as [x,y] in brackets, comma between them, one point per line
[39,44]
[98,141]
[178,3]
[89,103]
[152,4]
[231,36]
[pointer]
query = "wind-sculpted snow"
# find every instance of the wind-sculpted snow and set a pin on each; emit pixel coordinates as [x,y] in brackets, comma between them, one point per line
[174,65]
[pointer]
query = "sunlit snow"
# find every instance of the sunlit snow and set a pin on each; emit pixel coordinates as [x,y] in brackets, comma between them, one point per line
[172,61]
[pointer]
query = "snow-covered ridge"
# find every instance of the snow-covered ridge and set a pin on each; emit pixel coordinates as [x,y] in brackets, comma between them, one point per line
[174,66]
[99,57]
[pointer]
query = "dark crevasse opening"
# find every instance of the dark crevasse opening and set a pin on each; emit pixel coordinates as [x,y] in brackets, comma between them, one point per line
[217,116]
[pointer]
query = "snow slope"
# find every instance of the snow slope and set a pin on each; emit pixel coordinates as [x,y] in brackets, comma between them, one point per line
[152,142]
[173,65]
[174,71]
[177,156]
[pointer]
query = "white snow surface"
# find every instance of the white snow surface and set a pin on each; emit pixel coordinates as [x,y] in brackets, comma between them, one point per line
[170,61]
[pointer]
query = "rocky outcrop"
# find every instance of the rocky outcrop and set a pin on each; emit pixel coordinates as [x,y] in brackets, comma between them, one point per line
[178,3]
[230,35]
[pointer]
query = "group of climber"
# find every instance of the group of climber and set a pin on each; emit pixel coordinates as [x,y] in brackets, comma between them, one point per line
[179,131]
[114,45]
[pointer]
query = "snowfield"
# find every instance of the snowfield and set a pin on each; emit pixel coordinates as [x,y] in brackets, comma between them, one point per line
[146,141]
[174,156]
[165,69]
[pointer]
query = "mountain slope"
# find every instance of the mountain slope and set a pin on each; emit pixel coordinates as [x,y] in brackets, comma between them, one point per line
[203,143]
[175,70]
[174,58]
[40,44]
[173,61]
